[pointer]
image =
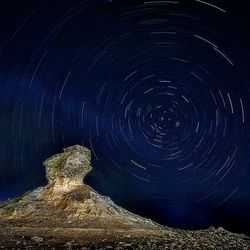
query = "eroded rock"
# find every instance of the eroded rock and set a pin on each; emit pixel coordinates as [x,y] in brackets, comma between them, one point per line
[69,214]
[65,171]
[67,201]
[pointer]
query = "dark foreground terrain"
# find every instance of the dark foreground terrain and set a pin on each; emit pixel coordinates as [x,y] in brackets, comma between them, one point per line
[79,238]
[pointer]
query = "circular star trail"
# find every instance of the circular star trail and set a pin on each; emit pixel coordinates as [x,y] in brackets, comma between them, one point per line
[158,90]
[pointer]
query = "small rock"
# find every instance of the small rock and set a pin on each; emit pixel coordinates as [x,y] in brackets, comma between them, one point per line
[36,239]
[68,245]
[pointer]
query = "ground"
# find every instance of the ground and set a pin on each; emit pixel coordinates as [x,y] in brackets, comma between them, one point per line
[80,238]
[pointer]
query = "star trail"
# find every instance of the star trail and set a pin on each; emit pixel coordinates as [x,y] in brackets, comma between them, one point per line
[158,90]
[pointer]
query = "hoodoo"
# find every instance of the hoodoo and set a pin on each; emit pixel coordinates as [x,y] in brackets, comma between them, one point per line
[67,201]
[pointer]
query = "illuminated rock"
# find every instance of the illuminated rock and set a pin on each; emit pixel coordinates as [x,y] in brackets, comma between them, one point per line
[66,171]
[67,202]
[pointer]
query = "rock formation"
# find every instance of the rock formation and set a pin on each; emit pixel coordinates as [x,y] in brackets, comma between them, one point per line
[66,171]
[66,201]
[68,214]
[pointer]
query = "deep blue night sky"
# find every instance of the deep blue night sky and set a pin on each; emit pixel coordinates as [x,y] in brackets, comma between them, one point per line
[159,90]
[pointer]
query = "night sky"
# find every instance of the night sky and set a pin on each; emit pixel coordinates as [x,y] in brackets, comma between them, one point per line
[158,90]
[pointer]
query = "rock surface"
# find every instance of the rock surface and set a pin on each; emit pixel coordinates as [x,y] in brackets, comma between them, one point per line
[68,214]
[66,201]
[66,171]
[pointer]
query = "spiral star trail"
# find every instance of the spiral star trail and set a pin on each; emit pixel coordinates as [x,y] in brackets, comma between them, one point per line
[158,90]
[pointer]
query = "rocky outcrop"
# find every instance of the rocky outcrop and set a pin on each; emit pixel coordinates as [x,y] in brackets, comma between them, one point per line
[68,214]
[66,171]
[66,201]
